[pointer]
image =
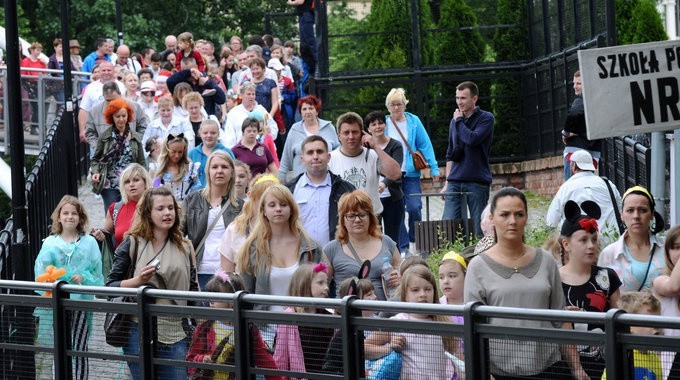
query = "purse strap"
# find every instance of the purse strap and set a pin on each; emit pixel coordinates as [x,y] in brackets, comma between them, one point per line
[211,226]
[354,252]
[133,263]
[617,214]
[408,146]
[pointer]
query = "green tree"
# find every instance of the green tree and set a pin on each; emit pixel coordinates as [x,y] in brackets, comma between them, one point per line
[638,21]
[458,42]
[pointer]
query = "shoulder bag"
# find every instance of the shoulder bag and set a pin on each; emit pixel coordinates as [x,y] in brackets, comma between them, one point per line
[419,161]
[117,325]
[619,222]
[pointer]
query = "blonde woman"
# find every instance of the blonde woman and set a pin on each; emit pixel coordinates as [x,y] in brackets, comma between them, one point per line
[175,170]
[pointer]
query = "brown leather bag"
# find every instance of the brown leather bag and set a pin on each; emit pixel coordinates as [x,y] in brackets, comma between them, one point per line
[419,161]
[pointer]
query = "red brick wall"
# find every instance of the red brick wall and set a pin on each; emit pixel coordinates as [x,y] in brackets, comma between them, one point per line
[542,176]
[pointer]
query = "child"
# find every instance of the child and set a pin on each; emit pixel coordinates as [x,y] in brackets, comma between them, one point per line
[667,289]
[405,264]
[452,270]
[242,178]
[647,363]
[586,286]
[423,356]
[214,341]
[185,45]
[69,247]
[303,348]
[168,123]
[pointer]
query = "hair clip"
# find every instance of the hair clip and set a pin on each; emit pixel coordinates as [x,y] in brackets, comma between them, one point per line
[320,267]
[224,276]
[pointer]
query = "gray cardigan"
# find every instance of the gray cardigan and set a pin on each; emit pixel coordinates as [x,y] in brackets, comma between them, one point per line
[258,283]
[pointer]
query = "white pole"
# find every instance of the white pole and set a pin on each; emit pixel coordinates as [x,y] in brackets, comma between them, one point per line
[6,178]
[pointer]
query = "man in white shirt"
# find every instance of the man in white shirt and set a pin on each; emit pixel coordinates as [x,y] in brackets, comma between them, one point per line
[124,60]
[94,94]
[585,185]
[358,165]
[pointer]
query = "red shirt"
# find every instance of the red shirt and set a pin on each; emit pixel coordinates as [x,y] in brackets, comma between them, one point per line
[123,220]
[27,62]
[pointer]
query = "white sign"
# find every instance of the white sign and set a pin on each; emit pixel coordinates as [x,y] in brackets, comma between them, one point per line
[631,89]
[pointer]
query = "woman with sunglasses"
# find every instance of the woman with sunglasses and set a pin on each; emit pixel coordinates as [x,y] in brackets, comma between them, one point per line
[117,147]
[358,238]
[175,170]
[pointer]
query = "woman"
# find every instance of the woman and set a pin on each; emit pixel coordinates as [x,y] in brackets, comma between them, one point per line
[391,195]
[252,152]
[117,147]
[513,274]
[31,85]
[131,83]
[311,124]
[637,257]
[276,246]
[193,103]
[266,90]
[209,132]
[56,62]
[407,128]
[235,117]
[175,170]
[238,230]
[357,239]
[209,212]
[156,234]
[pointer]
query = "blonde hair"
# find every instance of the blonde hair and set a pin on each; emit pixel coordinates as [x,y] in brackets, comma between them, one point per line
[193,96]
[258,240]
[83,219]
[132,170]
[165,102]
[396,94]
[206,192]
[164,160]
[634,302]
[252,206]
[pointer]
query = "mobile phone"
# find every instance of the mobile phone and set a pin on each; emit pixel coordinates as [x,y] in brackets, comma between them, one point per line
[156,263]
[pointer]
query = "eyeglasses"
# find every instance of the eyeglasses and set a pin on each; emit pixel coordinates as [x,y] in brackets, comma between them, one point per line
[353,217]
[149,93]
[396,105]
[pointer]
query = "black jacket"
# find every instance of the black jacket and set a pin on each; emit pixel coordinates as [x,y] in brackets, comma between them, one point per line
[338,187]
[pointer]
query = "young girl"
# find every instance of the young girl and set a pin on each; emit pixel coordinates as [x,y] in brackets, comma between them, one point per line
[423,356]
[214,341]
[69,247]
[586,286]
[242,173]
[185,45]
[452,270]
[175,170]
[167,124]
[303,348]
[667,289]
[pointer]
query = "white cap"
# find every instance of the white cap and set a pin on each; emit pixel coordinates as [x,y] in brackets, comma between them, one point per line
[148,85]
[275,64]
[583,160]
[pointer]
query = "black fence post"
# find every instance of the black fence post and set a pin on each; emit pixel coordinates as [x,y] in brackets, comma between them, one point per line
[476,347]
[618,363]
[610,20]
[61,333]
[352,341]
[242,333]
[146,335]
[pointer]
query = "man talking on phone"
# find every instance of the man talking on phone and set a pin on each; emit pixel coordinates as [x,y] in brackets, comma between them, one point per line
[468,172]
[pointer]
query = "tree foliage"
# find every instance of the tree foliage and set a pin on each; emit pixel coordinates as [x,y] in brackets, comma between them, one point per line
[638,21]
[455,45]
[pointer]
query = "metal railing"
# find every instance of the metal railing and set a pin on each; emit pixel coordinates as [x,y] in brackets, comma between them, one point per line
[479,328]
[626,162]
[42,97]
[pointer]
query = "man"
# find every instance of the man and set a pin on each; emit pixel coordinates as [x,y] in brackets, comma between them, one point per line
[584,185]
[124,62]
[94,94]
[360,166]
[212,93]
[146,53]
[170,47]
[305,11]
[317,191]
[97,56]
[242,62]
[574,135]
[96,122]
[236,45]
[467,157]
[110,47]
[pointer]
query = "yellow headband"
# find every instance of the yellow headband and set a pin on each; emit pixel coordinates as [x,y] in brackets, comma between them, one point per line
[452,255]
[638,189]
[267,177]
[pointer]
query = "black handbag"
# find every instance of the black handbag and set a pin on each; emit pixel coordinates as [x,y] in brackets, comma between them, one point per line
[117,325]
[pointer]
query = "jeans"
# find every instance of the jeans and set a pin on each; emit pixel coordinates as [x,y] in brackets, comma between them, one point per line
[175,351]
[476,201]
[306,26]
[392,217]
[414,206]
[567,169]
[203,279]
[109,196]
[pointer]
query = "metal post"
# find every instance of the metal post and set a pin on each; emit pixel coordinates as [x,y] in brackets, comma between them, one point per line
[476,347]
[610,21]
[675,178]
[61,332]
[119,21]
[146,336]
[242,340]
[658,182]
[68,116]
[619,365]
[352,344]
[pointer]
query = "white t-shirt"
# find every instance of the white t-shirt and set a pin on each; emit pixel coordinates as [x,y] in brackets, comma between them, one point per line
[94,94]
[231,243]
[394,134]
[362,171]
[279,280]
[210,262]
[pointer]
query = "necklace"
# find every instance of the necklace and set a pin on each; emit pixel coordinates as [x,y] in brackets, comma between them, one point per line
[516,268]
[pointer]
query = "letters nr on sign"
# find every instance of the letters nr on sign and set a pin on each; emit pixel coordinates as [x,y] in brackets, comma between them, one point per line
[631,89]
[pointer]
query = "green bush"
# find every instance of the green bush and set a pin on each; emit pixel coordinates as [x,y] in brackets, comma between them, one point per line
[638,21]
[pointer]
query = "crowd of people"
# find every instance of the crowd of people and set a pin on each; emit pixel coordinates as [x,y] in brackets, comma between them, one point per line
[211,184]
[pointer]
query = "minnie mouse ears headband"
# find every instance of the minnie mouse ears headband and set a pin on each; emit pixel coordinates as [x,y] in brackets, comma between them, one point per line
[575,221]
[363,273]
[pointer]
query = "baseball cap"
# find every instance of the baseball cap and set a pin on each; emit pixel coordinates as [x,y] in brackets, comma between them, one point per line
[583,160]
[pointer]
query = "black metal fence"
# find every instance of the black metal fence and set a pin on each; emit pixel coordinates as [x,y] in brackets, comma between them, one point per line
[478,329]
[626,162]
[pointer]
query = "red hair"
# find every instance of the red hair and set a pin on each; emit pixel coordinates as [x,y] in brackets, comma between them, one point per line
[356,201]
[311,100]
[115,106]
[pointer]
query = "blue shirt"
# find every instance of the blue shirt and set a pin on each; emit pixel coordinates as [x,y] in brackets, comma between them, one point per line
[197,155]
[314,200]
